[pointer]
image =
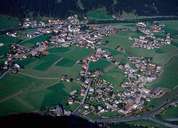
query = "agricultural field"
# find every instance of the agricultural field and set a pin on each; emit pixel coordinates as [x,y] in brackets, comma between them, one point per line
[168,78]
[38,85]
[99,65]
[171,112]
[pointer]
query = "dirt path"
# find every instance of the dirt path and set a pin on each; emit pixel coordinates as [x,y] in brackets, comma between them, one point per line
[38,77]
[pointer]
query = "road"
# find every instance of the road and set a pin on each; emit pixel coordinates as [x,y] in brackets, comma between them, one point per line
[146,116]
[149,116]
[83,100]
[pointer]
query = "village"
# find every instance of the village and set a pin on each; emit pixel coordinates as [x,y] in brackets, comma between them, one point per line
[148,40]
[139,71]
[134,95]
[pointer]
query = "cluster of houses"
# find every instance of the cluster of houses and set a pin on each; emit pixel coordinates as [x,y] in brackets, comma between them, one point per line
[70,31]
[80,36]
[20,52]
[101,96]
[148,40]
[30,23]
[138,75]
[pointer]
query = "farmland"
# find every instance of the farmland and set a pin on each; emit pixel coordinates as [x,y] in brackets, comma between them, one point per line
[47,81]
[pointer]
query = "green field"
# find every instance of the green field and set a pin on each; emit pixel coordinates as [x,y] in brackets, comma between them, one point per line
[99,14]
[12,84]
[168,78]
[7,41]
[171,112]
[8,22]
[13,106]
[58,50]
[33,41]
[46,61]
[99,65]
[38,85]
[66,62]
[114,76]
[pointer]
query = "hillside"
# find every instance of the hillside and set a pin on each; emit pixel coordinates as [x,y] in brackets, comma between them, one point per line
[62,8]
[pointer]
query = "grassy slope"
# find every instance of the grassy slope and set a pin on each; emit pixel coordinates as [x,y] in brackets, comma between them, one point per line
[7,22]
[99,14]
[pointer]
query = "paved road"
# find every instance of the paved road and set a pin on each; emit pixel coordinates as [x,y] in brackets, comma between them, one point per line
[171,119]
[150,116]
[83,100]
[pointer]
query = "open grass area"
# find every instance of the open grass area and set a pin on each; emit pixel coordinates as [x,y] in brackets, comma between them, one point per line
[99,65]
[46,61]
[12,84]
[30,94]
[168,78]
[8,22]
[171,112]
[171,27]
[33,41]
[99,14]
[6,41]
[115,77]
[77,53]
[58,50]
[13,106]
[66,62]
[56,95]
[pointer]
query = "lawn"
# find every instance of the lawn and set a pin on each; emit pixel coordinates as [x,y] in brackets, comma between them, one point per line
[8,22]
